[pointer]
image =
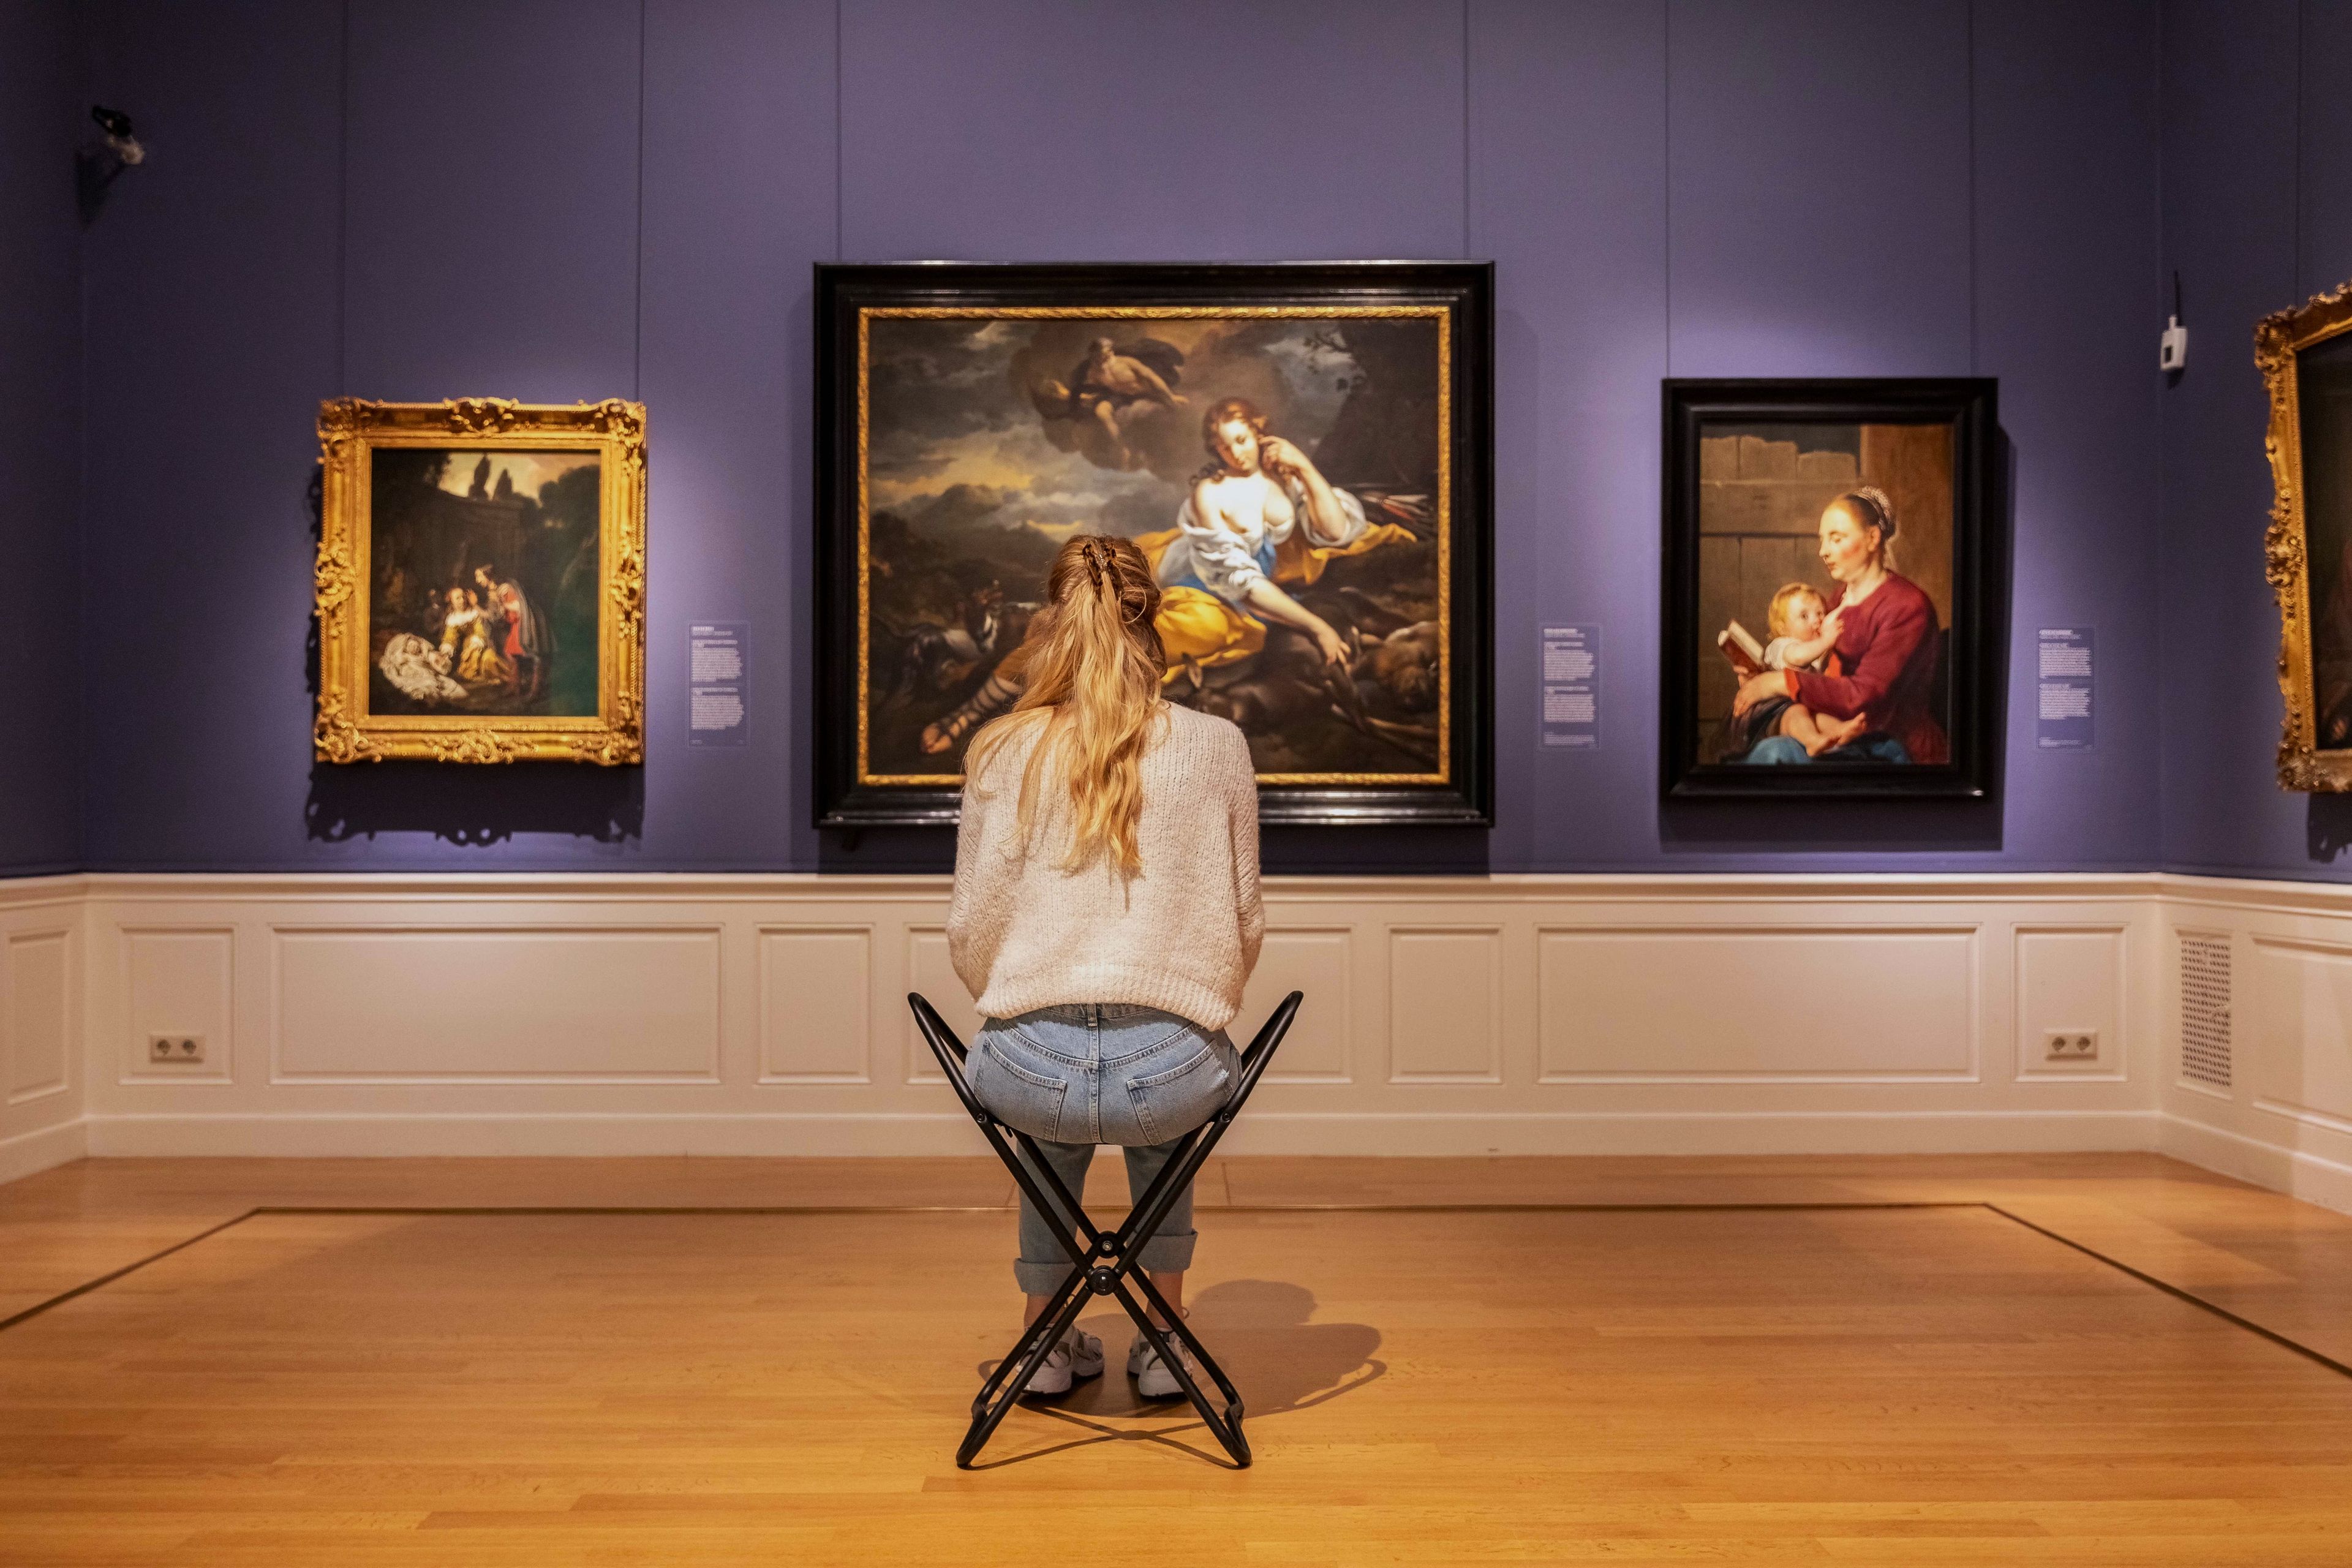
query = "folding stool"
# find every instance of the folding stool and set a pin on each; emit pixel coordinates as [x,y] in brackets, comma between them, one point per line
[1106,1264]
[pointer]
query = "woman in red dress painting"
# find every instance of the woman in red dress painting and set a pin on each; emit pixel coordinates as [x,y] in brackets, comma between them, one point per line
[526,641]
[1883,669]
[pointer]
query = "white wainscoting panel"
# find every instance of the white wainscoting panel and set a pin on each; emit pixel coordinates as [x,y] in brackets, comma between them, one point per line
[2300,1032]
[36,1014]
[765,1014]
[1318,961]
[816,1001]
[2285,1120]
[756,1014]
[1445,1004]
[1845,1004]
[177,982]
[44,1045]
[2071,979]
[575,1005]
[931,974]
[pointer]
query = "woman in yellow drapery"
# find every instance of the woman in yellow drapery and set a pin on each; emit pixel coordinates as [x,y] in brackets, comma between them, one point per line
[1259,515]
[466,641]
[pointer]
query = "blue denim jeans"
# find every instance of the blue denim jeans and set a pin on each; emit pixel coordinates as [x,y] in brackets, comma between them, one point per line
[1101,1072]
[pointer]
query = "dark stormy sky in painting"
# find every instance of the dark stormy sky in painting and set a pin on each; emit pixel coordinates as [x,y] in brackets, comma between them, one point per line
[956,438]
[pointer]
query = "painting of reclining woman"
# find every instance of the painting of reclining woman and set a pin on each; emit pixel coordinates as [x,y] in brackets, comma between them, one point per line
[1829,578]
[1282,477]
[1259,516]
[1301,454]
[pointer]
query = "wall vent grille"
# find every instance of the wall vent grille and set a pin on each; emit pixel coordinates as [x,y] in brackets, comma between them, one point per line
[2205,1009]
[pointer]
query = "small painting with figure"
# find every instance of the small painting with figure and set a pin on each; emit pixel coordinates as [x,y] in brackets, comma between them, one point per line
[481,582]
[484,567]
[1828,555]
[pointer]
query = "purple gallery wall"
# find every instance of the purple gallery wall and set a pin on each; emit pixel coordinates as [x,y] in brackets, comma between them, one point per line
[561,199]
[40,388]
[2257,218]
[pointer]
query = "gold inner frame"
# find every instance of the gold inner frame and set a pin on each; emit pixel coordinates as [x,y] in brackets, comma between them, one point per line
[2279,341]
[349,431]
[1442,314]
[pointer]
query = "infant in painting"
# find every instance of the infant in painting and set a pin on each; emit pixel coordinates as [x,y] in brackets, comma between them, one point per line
[1804,629]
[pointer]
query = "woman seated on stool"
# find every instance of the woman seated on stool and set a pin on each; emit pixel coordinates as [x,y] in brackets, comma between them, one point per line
[1106,915]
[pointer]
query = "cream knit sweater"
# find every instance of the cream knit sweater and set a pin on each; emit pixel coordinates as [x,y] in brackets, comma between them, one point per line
[1181,935]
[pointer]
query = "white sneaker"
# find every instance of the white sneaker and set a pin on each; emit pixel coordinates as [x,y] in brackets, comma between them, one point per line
[1153,1379]
[1078,1355]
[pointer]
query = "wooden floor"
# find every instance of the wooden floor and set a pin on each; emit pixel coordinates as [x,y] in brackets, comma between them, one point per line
[1613,1369]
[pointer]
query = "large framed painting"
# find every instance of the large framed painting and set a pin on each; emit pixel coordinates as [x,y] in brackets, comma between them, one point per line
[1828,559]
[972,418]
[481,582]
[2305,355]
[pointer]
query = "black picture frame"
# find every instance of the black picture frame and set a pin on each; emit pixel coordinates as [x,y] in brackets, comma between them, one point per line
[848,797]
[1970,655]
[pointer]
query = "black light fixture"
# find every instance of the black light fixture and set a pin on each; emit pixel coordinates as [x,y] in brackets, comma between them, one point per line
[2172,348]
[119,138]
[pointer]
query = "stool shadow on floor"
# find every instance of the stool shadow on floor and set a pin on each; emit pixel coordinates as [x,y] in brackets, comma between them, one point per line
[1262,1329]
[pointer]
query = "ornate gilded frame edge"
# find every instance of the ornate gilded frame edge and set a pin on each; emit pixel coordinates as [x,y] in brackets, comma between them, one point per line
[350,428]
[2279,338]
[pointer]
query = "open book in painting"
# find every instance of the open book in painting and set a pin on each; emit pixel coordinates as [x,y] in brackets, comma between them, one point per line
[1740,646]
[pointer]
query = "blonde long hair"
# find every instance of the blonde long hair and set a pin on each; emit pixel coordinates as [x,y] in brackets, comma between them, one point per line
[1091,696]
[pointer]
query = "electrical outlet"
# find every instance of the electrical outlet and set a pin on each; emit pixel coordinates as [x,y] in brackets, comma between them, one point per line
[176,1048]
[2071,1045]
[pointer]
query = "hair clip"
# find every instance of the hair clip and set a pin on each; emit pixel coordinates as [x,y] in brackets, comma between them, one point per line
[1882,508]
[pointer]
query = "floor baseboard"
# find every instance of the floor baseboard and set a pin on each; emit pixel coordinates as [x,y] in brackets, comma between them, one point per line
[38,1150]
[2297,1172]
[1873,1132]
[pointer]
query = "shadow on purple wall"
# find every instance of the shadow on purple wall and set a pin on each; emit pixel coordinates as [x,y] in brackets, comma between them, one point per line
[95,172]
[2328,827]
[1282,851]
[474,805]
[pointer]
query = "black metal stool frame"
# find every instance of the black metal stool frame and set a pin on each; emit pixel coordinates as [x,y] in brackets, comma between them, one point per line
[1105,1263]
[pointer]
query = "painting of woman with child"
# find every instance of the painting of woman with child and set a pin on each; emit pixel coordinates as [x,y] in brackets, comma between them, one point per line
[469,552]
[481,582]
[1845,520]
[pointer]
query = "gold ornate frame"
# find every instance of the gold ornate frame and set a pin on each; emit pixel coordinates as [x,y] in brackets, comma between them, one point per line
[349,430]
[2279,339]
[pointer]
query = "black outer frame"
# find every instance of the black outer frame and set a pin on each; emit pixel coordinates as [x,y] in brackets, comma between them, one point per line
[1968,405]
[1467,286]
